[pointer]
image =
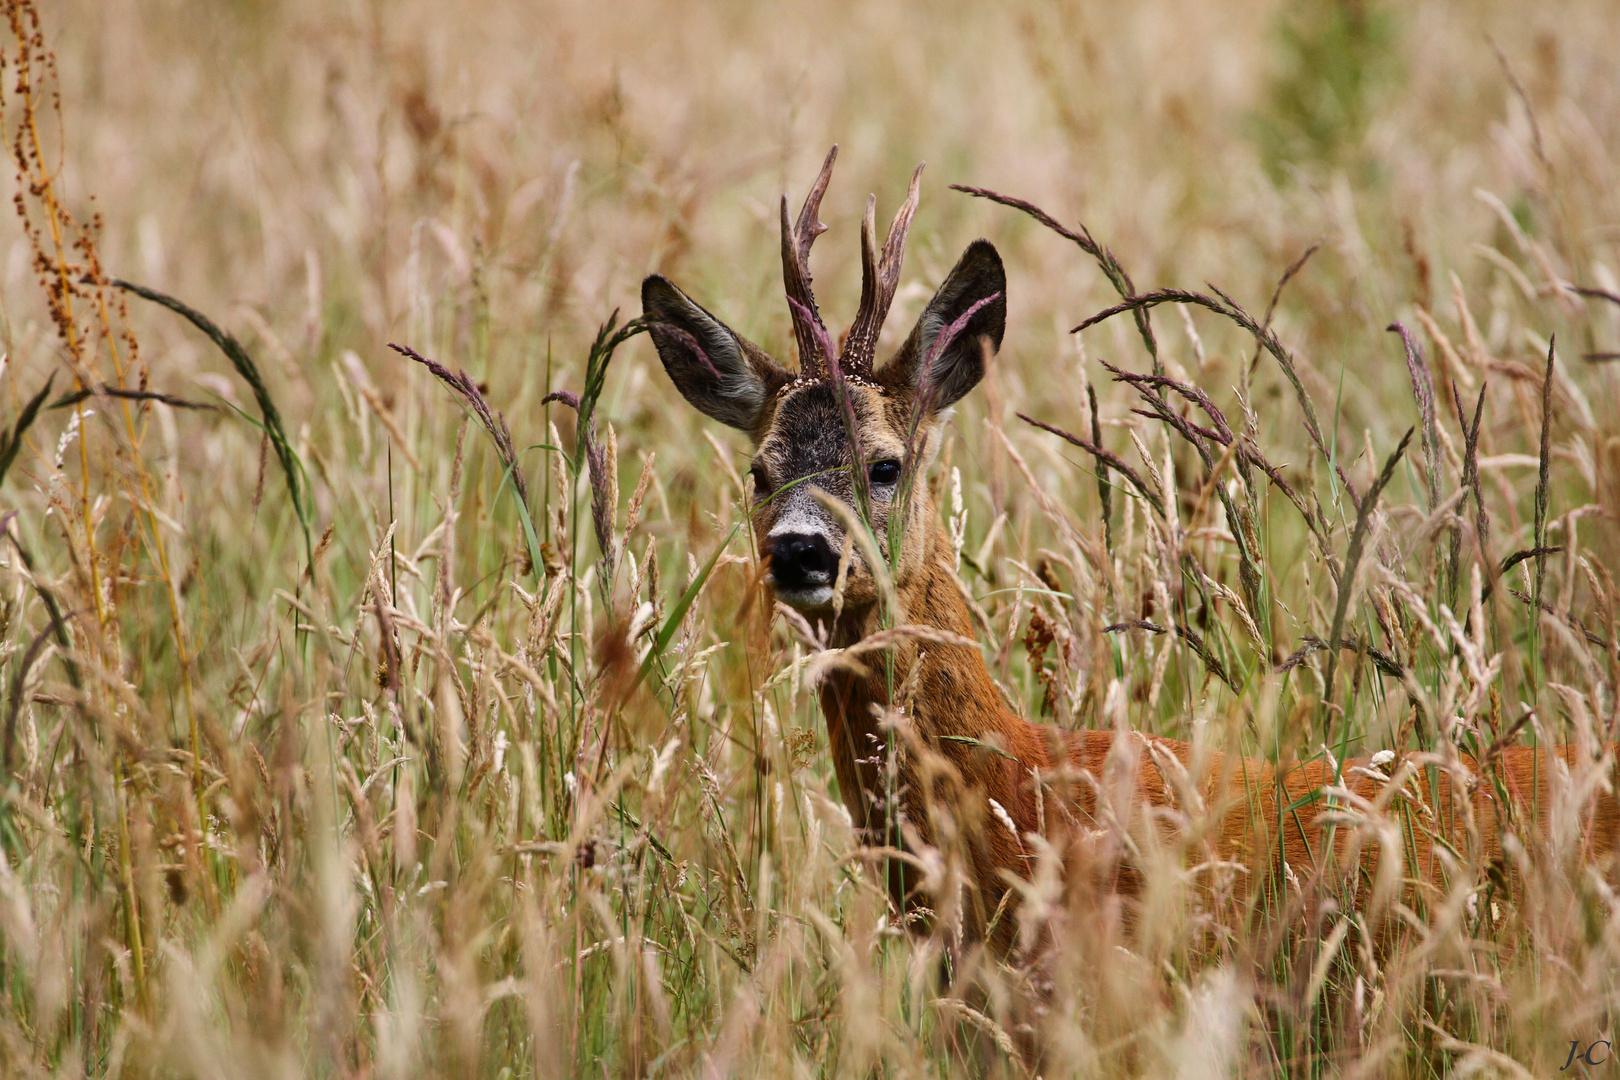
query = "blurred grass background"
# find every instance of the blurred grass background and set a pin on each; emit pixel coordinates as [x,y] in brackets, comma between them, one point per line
[448,840]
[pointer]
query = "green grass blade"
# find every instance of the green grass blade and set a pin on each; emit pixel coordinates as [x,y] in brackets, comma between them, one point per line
[672,623]
[291,467]
[25,420]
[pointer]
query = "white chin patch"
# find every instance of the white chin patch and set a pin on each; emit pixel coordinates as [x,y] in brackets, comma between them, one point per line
[807,599]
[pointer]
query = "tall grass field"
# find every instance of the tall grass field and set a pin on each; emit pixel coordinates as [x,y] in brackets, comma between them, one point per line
[420,711]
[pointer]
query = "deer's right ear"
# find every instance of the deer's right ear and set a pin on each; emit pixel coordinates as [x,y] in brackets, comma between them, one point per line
[721,373]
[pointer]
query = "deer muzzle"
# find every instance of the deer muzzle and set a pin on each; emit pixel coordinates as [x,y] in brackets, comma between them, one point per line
[802,568]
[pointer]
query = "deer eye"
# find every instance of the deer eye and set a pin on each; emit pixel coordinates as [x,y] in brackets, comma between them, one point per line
[884,472]
[762,484]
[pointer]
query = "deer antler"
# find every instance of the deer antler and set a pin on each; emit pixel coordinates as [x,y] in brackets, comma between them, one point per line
[808,329]
[880,275]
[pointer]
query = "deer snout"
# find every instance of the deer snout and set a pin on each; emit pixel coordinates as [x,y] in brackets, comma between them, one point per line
[800,561]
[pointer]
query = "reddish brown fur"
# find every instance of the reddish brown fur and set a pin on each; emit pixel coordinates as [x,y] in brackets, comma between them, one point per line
[955,696]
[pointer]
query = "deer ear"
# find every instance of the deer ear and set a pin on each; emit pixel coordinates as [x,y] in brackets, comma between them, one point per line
[977,279]
[722,374]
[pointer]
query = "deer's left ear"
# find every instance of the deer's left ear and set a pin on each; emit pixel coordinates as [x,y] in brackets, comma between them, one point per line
[977,279]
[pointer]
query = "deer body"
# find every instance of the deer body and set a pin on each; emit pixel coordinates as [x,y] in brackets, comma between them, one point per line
[968,772]
[1244,813]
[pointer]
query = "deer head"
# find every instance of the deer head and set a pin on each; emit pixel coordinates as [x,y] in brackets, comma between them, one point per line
[812,430]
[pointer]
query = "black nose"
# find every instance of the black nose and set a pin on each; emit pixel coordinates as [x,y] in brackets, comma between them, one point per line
[800,560]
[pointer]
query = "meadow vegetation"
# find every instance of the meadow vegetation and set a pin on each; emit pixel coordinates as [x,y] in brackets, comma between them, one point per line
[384,716]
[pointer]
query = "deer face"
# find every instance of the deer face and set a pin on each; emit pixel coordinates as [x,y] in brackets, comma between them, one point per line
[838,425]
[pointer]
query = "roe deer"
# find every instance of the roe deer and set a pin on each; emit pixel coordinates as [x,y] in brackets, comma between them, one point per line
[996,784]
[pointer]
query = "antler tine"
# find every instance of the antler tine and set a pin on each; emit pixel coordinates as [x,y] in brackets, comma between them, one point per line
[808,227]
[796,240]
[870,273]
[880,276]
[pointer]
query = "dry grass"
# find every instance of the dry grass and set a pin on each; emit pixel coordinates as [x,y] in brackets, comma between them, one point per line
[439,787]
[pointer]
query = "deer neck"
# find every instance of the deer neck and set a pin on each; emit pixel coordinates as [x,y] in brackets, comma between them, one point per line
[930,596]
[942,693]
